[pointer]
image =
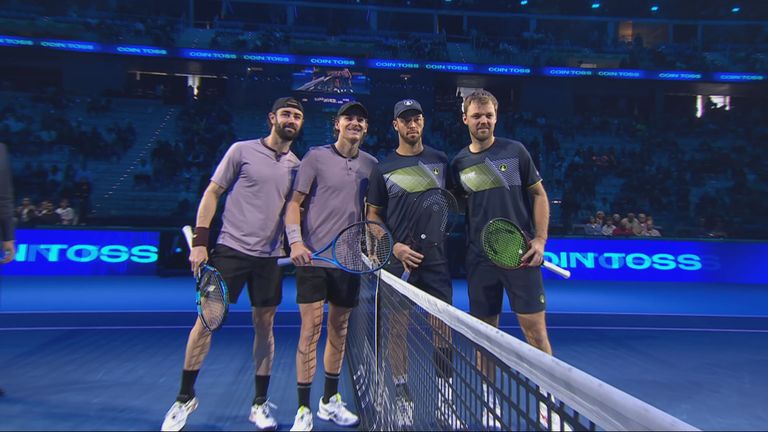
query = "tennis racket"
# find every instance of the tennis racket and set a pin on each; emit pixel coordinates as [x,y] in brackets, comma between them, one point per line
[211,294]
[431,216]
[505,244]
[363,247]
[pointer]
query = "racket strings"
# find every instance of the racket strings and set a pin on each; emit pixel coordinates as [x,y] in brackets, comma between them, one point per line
[432,221]
[213,301]
[363,245]
[504,244]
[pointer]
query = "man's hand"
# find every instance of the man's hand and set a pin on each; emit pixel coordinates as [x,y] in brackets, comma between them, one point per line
[300,255]
[198,256]
[535,255]
[409,257]
[9,251]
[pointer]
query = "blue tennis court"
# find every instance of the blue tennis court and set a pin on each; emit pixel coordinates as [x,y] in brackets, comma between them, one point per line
[105,352]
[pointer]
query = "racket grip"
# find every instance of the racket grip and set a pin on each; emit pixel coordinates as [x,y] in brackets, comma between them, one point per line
[565,274]
[282,262]
[187,230]
[406,274]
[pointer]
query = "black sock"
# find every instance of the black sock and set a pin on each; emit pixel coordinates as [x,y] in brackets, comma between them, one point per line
[188,378]
[304,391]
[331,386]
[262,384]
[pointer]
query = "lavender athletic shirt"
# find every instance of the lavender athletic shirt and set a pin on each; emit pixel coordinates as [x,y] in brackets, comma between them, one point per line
[335,187]
[259,180]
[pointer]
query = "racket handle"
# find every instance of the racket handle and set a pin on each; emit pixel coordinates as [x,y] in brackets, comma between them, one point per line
[565,274]
[406,274]
[187,230]
[282,262]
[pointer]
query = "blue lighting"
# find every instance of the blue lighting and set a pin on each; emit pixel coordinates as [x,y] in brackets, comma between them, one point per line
[523,2]
[654,8]
[736,9]
[595,5]
[70,45]
[207,54]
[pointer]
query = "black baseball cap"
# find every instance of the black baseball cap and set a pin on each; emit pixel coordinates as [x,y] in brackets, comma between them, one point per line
[349,106]
[287,102]
[407,105]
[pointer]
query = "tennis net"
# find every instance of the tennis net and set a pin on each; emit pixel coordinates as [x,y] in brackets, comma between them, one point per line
[420,364]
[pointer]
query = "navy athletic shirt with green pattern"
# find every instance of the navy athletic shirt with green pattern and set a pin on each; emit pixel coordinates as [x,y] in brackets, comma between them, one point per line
[399,179]
[496,181]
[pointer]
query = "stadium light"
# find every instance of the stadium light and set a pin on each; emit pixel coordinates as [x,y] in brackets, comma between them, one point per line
[735,9]
[654,8]
[595,5]
[523,2]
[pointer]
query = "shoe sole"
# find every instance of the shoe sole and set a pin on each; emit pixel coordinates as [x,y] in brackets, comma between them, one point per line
[191,409]
[324,417]
[268,428]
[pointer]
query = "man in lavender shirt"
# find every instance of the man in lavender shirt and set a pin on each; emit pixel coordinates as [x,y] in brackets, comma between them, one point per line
[258,175]
[331,185]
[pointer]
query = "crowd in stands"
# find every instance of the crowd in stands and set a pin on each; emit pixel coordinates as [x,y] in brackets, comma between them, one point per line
[554,45]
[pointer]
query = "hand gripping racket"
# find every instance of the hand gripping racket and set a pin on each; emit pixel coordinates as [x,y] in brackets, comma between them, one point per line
[505,244]
[362,247]
[211,293]
[430,216]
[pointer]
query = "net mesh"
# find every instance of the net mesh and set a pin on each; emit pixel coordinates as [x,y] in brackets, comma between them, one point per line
[504,243]
[362,244]
[212,298]
[420,364]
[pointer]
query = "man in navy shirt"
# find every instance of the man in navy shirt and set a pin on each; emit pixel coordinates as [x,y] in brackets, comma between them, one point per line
[395,186]
[500,181]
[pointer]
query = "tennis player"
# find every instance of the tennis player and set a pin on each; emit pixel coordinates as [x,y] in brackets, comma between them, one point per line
[6,211]
[395,183]
[500,180]
[258,175]
[331,187]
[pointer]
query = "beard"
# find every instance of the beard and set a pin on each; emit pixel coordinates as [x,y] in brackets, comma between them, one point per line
[409,140]
[285,134]
[476,135]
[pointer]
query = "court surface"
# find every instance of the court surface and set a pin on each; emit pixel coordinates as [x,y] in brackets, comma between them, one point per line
[105,353]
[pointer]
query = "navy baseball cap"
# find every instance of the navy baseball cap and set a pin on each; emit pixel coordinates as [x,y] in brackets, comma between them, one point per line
[407,105]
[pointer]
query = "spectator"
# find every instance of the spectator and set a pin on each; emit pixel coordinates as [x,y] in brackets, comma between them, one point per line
[47,215]
[26,213]
[625,229]
[609,227]
[600,218]
[593,228]
[641,221]
[65,212]
[649,230]
[632,222]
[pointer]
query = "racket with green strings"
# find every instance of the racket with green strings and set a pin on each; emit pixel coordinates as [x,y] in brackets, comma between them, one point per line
[504,243]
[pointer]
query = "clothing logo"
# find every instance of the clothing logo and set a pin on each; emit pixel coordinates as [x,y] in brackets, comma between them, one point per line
[503,167]
[408,102]
[541,299]
[436,171]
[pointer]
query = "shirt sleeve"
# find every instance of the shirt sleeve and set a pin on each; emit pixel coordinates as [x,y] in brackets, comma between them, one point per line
[229,168]
[528,171]
[307,173]
[377,189]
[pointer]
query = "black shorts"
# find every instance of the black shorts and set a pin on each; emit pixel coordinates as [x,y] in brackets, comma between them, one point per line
[338,287]
[487,283]
[434,280]
[263,275]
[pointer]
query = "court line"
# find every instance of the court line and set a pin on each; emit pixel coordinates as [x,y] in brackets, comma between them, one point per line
[710,330]
[186,327]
